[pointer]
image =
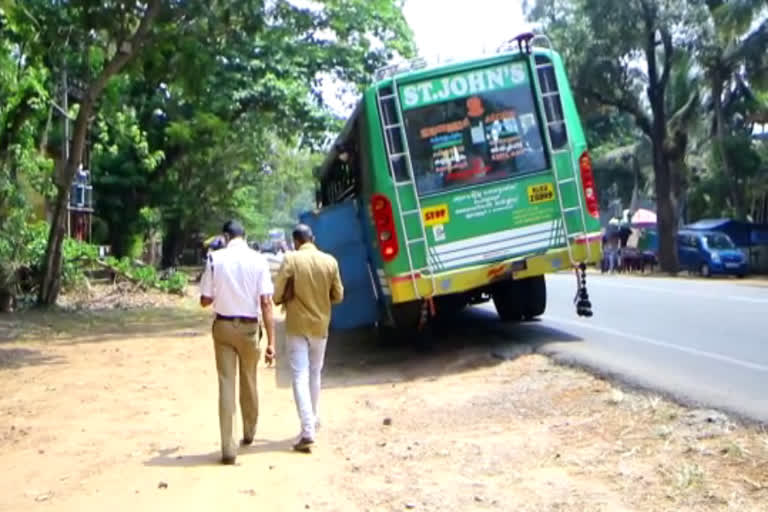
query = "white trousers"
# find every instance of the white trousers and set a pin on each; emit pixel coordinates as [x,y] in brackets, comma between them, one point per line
[306,356]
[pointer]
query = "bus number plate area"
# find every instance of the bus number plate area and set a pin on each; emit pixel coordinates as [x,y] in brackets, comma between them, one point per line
[541,193]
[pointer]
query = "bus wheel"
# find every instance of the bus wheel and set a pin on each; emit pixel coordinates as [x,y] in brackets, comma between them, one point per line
[508,299]
[535,297]
[406,315]
[448,306]
[522,299]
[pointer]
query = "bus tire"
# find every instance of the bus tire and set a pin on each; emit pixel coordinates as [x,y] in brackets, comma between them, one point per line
[508,300]
[448,306]
[406,315]
[535,297]
[406,330]
[522,299]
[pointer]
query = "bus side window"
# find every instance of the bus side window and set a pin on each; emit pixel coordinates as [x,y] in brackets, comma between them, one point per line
[552,105]
[393,135]
[342,180]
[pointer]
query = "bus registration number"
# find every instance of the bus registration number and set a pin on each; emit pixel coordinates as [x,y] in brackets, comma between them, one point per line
[434,215]
[541,193]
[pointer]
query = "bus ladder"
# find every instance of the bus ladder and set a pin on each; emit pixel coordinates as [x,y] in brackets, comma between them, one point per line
[583,304]
[392,157]
[565,212]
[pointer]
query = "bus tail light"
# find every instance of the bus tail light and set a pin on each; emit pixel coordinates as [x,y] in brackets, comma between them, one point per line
[384,221]
[588,183]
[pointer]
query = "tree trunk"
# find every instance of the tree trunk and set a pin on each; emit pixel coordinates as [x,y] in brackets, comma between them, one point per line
[50,283]
[173,244]
[666,208]
[679,175]
[665,185]
[720,134]
[6,301]
[666,211]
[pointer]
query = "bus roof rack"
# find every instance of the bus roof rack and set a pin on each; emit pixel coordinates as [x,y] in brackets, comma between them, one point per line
[402,67]
[522,43]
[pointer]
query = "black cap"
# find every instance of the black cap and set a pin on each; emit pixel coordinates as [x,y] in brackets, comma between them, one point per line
[233,228]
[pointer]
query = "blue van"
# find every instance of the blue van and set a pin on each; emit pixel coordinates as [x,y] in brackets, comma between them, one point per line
[710,252]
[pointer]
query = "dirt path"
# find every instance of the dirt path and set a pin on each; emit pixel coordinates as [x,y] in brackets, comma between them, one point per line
[121,415]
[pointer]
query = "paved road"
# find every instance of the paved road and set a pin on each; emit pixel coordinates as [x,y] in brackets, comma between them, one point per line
[703,341]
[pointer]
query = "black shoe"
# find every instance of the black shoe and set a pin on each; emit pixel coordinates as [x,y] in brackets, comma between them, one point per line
[304,445]
[228,461]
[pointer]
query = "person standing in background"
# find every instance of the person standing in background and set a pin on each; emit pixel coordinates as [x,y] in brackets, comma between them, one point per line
[308,283]
[237,283]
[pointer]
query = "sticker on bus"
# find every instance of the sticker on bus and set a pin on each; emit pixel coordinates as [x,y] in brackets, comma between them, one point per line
[542,193]
[438,231]
[434,215]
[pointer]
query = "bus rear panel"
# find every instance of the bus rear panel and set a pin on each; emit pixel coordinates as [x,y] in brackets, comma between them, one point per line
[498,185]
[473,181]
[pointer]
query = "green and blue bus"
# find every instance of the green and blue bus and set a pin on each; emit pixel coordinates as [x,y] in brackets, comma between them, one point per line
[470,181]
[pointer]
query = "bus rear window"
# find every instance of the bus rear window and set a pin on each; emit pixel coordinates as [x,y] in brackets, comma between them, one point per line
[470,128]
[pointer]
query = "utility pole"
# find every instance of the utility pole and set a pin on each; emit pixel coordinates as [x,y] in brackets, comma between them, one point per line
[80,192]
[65,104]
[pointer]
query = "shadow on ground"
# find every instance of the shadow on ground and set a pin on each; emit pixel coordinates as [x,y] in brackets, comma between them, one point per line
[66,327]
[174,458]
[13,358]
[472,339]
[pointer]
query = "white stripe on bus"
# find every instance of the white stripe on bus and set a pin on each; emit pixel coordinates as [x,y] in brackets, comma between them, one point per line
[493,237]
[492,251]
[496,246]
[498,255]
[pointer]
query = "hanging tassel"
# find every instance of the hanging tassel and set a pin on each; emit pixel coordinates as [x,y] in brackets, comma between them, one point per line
[583,305]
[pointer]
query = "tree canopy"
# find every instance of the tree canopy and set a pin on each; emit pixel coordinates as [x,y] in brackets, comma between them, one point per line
[688,74]
[191,111]
[186,113]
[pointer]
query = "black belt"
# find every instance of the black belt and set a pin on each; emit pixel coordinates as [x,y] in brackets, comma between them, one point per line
[244,319]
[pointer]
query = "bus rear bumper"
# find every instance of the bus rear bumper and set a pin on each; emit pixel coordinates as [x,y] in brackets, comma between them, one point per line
[401,288]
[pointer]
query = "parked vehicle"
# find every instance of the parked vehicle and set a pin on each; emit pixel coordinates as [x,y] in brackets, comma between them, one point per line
[456,185]
[710,252]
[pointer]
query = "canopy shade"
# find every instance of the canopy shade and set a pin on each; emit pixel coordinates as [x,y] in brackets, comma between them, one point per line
[643,217]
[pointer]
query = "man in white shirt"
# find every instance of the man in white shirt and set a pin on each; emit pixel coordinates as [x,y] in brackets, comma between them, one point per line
[238,284]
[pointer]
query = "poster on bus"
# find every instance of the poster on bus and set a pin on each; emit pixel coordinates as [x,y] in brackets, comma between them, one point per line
[473,127]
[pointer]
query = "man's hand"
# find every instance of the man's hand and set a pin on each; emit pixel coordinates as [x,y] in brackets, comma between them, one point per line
[269,356]
[269,325]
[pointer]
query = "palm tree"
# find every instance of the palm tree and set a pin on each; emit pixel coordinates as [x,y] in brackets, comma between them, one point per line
[734,49]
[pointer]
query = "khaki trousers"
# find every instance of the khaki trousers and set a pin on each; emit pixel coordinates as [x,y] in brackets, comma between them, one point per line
[234,342]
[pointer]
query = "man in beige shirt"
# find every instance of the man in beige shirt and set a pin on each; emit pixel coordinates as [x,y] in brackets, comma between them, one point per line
[308,283]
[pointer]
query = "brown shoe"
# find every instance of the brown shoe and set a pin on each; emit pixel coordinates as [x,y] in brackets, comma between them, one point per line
[247,441]
[228,461]
[304,445]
